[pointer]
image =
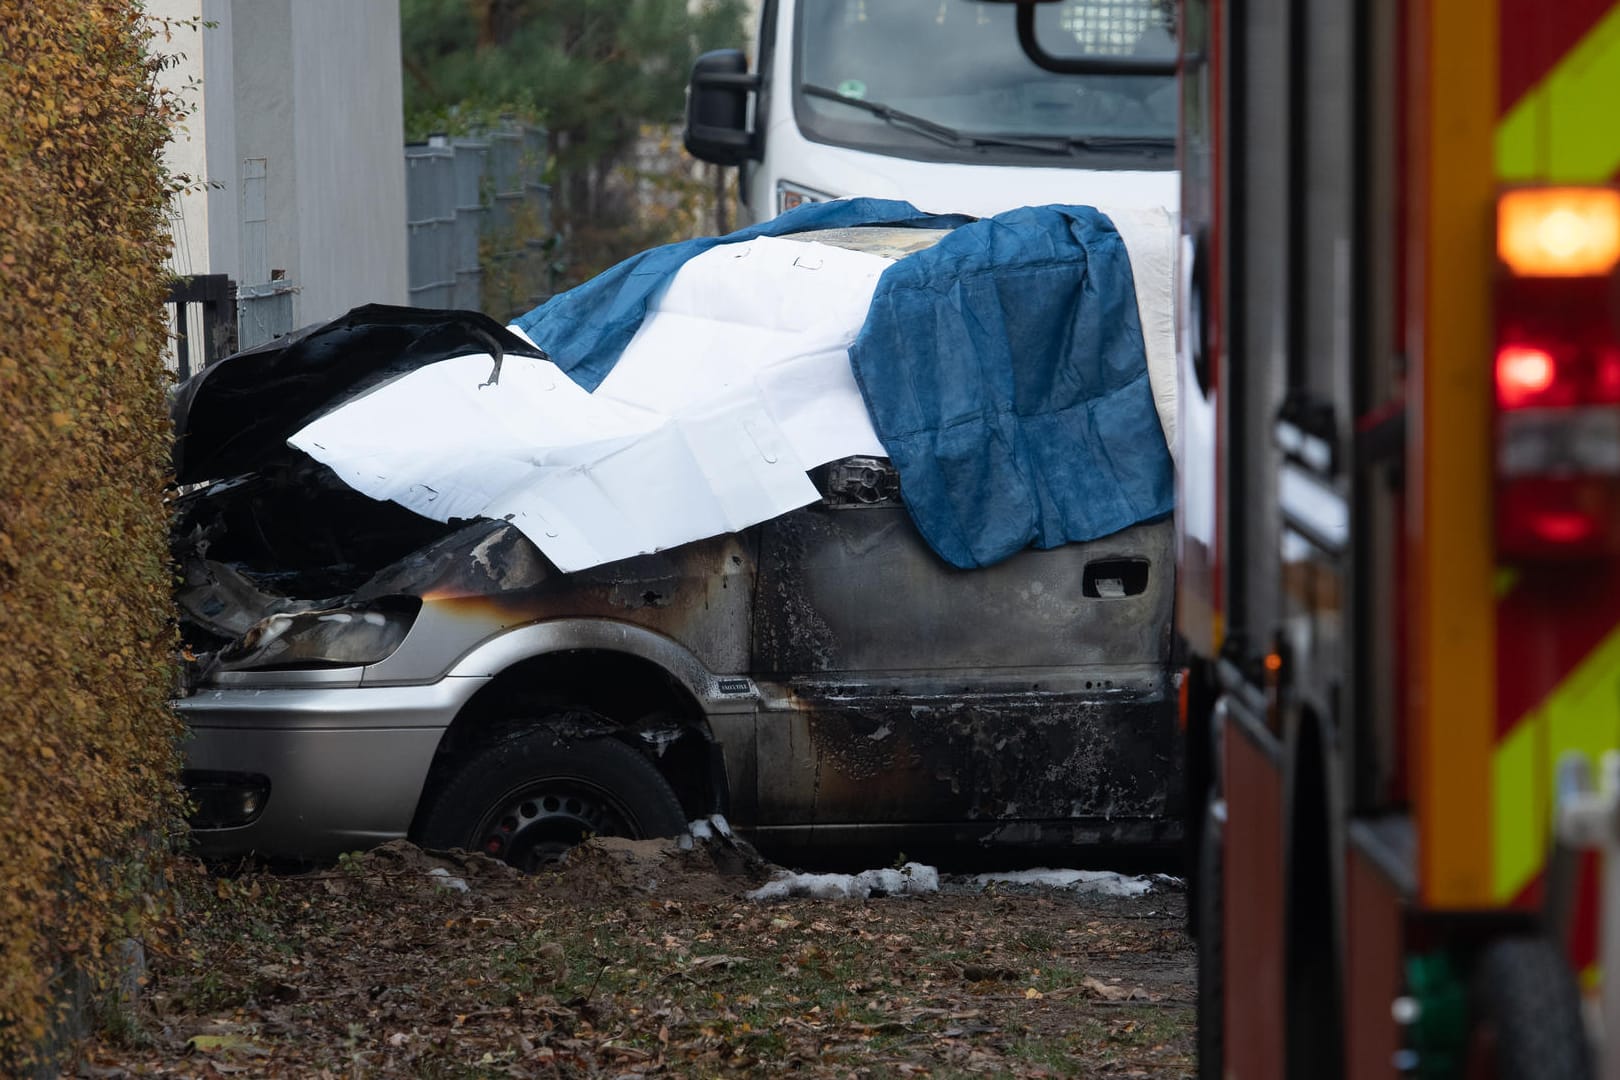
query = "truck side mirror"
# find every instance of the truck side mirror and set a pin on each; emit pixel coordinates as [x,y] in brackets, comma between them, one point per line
[717,128]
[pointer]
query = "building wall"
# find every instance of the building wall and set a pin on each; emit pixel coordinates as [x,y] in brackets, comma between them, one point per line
[266,118]
[219,77]
[309,91]
[348,136]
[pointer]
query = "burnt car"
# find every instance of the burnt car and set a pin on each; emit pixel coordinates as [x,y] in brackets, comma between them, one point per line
[358,671]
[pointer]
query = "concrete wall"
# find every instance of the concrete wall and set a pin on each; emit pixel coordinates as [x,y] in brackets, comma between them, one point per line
[309,91]
[223,195]
[266,120]
[351,176]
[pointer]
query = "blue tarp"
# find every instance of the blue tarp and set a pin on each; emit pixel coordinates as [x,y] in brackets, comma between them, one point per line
[1003,368]
[586,328]
[1005,374]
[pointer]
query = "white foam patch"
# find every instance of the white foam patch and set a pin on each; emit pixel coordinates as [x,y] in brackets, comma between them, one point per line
[1101,882]
[911,879]
[441,877]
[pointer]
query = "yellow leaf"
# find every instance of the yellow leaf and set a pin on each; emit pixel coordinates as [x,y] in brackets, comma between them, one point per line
[1033,994]
[214,1043]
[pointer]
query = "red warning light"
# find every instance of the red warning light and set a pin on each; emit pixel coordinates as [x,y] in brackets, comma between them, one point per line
[1523,373]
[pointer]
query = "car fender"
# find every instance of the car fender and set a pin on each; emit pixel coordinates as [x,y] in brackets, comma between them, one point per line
[716,693]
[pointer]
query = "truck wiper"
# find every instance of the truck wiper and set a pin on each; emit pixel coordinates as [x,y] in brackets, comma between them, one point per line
[1070,144]
[952,137]
[920,124]
[1122,142]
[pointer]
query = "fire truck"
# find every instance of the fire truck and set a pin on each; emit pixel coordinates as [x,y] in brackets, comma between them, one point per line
[1399,572]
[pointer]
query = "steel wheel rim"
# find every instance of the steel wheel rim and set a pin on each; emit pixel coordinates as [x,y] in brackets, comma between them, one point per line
[536,824]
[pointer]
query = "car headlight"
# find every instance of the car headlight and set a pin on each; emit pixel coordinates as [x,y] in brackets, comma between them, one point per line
[791,196]
[329,637]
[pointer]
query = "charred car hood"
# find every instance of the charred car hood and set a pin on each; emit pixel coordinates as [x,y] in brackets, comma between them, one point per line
[278,558]
[235,416]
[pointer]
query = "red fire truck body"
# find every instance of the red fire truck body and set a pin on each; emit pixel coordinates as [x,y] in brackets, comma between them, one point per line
[1399,570]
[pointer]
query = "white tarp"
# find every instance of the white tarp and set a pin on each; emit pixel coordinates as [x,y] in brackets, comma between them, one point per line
[1150,242]
[737,382]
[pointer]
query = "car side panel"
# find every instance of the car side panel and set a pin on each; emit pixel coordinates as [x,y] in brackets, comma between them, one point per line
[901,689]
[346,766]
[858,590]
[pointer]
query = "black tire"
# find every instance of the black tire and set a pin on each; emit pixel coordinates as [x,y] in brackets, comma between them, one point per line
[1211,950]
[527,799]
[1526,1022]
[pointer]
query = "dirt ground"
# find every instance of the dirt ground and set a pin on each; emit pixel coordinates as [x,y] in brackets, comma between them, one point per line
[643,959]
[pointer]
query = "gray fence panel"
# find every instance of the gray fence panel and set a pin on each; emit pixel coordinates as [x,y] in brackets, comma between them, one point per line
[469,229]
[432,258]
[506,149]
[475,206]
[429,182]
[468,292]
[430,201]
[472,167]
[263,313]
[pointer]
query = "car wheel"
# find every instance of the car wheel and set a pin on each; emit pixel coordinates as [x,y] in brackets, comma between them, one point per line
[1211,950]
[528,799]
[1526,1015]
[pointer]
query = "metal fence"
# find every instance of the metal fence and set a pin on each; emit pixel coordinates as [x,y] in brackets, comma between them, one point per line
[204,321]
[479,222]
[264,312]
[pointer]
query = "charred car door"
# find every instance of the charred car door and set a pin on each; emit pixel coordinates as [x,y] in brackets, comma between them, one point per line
[1025,702]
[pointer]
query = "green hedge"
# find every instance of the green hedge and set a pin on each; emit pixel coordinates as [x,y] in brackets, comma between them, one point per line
[87,742]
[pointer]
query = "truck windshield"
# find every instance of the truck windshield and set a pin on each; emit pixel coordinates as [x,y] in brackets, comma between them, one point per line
[947,80]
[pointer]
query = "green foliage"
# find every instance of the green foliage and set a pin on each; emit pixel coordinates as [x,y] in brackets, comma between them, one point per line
[87,741]
[599,75]
[514,270]
[593,71]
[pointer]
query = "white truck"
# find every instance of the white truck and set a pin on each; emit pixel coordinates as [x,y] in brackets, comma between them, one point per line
[934,102]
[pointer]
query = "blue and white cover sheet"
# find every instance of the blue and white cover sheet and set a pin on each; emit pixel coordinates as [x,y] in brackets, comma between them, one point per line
[1020,373]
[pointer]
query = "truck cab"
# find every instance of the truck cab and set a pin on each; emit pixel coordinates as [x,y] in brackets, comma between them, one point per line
[937,104]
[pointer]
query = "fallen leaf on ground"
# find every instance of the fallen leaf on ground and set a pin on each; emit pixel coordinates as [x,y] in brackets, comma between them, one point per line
[578,973]
[240,1044]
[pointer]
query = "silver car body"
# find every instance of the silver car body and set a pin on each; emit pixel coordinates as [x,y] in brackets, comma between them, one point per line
[831,679]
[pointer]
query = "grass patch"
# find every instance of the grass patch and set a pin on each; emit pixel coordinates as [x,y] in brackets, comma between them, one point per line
[395,976]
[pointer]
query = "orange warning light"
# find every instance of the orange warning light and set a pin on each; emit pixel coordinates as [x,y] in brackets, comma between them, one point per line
[1559,232]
